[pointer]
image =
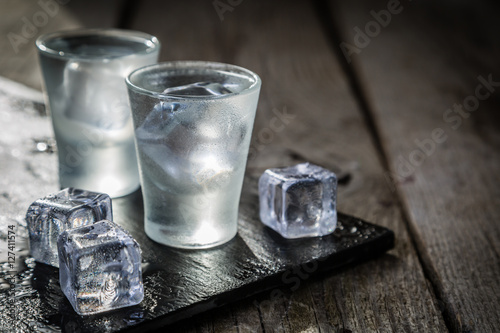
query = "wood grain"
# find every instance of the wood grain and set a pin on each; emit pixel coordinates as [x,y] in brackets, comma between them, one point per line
[404,68]
[284,43]
[97,14]
[431,57]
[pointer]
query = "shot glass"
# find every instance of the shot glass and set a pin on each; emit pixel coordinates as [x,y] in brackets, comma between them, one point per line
[193,122]
[84,74]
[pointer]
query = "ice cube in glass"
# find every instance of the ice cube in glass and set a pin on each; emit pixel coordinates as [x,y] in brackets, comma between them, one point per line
[198,89]
[84,73]
[193,124]
[299,201]
[100,268]
[48,217]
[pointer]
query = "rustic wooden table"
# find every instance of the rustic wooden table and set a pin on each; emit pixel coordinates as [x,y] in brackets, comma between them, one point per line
[401,94]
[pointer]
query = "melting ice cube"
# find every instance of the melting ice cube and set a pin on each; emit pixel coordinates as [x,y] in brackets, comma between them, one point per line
[100,268]
[299,201]
[190,145]
[48,217]
[95,94]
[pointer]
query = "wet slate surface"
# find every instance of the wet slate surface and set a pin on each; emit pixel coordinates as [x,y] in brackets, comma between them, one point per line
[178,283]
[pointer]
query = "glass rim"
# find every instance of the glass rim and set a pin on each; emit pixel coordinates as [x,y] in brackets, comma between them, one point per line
[192,64]
[41,42]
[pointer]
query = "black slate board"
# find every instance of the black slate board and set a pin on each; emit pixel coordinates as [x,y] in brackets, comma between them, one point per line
[181,283]
[178,283]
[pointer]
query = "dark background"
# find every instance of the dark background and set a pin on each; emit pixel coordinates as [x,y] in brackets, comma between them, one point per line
[402,116]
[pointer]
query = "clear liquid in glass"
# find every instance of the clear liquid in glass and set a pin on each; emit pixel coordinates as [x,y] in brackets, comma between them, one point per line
[89,107]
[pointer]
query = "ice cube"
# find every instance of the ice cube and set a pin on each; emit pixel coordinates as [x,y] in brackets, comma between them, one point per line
[100,268]
[48,217]
[299,201]
[190,171]
[198,89]
[96,95]
[159,122]
[190,146]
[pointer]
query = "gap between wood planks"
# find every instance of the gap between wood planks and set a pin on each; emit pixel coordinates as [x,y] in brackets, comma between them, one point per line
[328,24]
[126,13]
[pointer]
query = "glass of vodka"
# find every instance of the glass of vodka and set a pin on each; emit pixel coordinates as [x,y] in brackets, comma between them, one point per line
[193,122]
[84,74]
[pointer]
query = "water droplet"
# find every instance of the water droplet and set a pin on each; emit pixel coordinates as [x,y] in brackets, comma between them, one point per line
[134,317]
[41,146]
[4,286]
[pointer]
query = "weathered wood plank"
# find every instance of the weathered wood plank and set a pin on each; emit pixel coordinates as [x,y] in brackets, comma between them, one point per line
[283,42]
[97,13]
[22,21]
[424,76]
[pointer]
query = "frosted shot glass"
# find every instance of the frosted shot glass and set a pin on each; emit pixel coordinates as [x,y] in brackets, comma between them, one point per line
[193,122]
[84,82]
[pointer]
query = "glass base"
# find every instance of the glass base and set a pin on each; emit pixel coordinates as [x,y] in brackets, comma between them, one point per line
[163,236]
[112,192]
